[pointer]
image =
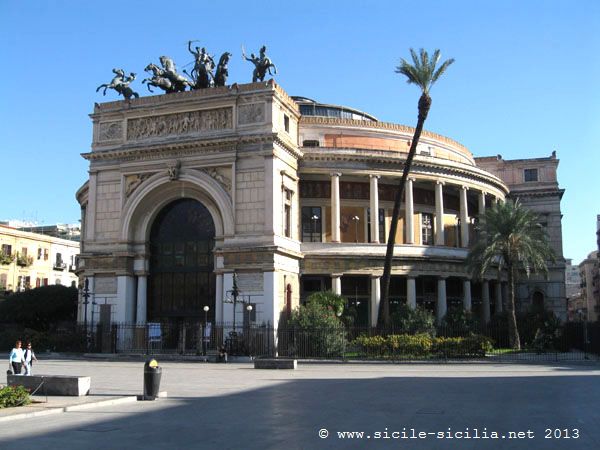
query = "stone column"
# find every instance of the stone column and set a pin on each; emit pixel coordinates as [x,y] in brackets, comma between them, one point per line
[409,212]
[441,306]
[439,213]
[374,207]
[335,207]
[219,298]
[485,299]
[481,203]
[411,293]
[464,217]
[336,283]
[499,305]
[142,291]
[375,299]
[126,298]
[90,211]
[467,295]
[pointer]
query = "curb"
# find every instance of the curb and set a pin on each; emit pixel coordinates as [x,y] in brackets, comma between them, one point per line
[73,408]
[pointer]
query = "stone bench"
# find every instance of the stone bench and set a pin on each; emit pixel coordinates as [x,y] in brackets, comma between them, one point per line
[68,385]
[275,363]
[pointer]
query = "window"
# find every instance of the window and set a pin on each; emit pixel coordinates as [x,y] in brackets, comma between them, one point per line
[7,249]
[530,175]
[45,254]
[24,252]
[3,279]
[59,260]
[310,143]
[39,253]
[426,229]
[286,123]
[381,225]
[287,213]
[311,224]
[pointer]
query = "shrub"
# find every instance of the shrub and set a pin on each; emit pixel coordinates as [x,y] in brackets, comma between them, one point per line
[14,396]
[422,345]
[458,322]
[314,330]
[372,345]
[329,300]
[40,308]
[413,321]
[409,345]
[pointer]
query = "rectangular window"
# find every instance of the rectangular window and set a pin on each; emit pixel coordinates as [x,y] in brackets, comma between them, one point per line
[24,252]
[286,123]
[3,278]
[311,224]
[426,229]
[287,213]
[59,259]
[7,249]
[39,253]
[381,225]
[45,254]
[530,175]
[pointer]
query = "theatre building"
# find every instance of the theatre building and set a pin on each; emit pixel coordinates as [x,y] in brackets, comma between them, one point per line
[291,196]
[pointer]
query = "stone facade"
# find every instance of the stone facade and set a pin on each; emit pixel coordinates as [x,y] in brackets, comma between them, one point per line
[534,183]
[289,197]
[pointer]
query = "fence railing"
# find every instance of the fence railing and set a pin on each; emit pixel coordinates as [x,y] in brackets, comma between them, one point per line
[571,341]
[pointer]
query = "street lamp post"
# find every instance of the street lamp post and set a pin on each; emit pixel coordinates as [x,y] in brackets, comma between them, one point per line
[249,310]
[356,220]
[204,334]
[86,295]
[314,219]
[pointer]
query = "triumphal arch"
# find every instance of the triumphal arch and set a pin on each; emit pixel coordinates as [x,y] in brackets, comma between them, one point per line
[185,190]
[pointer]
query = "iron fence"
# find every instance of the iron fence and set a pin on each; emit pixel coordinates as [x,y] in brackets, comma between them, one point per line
[566,342]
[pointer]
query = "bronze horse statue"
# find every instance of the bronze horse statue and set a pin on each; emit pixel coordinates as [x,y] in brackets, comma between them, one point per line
[158,79]
[120,83]
[166,78]
[222,71]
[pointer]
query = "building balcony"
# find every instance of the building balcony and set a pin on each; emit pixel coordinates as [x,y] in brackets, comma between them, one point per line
[60,265]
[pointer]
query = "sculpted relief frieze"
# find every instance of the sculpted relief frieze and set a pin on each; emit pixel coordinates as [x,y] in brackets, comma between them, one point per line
[221,178]
[133,181]
[252,113]
[110,131]
[180,123]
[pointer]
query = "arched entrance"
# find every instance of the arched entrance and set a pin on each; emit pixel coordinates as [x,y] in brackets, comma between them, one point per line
[537,302]
[181,278]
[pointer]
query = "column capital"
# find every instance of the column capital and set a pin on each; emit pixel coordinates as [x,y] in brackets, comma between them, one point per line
[466,188]
[335,174]
[375,276]
[411,179]
[374,176]
[440,182]
[337,275]
[442,277]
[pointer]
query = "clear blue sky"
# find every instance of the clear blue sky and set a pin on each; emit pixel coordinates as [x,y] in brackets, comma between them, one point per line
[525,81]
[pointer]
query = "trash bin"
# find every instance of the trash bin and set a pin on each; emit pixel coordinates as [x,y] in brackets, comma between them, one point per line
[152,375]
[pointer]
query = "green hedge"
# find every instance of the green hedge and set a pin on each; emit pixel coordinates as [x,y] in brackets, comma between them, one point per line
[14,396]
[422,345]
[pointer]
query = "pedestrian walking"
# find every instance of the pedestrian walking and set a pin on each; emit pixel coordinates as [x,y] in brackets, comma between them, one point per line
[29,357]
[16,358]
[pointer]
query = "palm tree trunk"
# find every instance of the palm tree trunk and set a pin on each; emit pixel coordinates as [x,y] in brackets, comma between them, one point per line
[513,331]
[384,306]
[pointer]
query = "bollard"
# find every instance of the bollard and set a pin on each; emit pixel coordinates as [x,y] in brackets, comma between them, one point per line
[152,374]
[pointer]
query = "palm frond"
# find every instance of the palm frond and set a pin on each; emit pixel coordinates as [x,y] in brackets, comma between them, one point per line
[422,71]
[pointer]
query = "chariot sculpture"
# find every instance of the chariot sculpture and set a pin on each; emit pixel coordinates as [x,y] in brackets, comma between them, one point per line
[120,83]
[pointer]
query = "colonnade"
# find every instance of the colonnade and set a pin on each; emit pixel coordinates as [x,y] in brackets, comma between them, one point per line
[500,291]
[439,238]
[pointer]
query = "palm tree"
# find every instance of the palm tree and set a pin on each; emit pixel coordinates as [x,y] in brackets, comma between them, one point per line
[424,74]
[510,237]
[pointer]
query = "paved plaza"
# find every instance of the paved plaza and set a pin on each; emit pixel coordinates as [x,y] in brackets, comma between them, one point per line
[394,405]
